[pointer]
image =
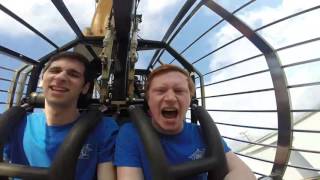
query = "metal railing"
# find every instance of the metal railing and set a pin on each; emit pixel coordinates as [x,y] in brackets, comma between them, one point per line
[277,171]
[284,110]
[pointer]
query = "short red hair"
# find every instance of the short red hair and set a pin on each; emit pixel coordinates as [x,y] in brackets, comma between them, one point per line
[165,69]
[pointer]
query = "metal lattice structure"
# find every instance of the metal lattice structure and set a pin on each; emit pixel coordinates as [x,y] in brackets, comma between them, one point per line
[24,79]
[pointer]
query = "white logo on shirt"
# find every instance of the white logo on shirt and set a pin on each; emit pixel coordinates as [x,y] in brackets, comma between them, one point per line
[85,151]
[197,154]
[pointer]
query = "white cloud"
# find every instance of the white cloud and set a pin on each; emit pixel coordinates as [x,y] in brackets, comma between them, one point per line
[155,17]
[298,29]
[43,16]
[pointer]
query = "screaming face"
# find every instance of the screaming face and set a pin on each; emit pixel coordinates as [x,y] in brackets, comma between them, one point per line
[169,99]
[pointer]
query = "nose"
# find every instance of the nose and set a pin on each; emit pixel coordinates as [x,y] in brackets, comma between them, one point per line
[61,76]
[170,96]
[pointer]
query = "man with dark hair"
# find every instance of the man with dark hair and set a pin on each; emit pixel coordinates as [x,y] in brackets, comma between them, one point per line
[36,140]
[168,91]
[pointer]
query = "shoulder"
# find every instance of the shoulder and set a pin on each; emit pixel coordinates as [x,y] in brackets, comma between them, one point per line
[36,119]
[128,130]
[128,135]
[192,128]
[106,128]
[196,130]
[109,123]
[128,127]
[39,115]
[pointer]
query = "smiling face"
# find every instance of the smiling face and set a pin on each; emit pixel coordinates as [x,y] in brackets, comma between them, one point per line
[168,100]
[63,82]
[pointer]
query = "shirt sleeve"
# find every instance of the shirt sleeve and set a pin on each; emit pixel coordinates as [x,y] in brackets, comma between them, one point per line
[127,147]
[107,144]
[6,152]
[225,146]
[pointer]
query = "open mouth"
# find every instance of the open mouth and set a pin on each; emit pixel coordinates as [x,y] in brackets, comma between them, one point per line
[169,113]
[58,89]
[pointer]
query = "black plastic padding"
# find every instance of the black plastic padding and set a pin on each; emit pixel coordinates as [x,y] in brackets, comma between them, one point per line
[214,161]
[64,165]
[214,144]
[36,100]
[8,120]
[192,168]
[22,171]
[151,142]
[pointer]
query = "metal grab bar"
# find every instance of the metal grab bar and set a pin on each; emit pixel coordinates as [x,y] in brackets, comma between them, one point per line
[214,161]
[64,164]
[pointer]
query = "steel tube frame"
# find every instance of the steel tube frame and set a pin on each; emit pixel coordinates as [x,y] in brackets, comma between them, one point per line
[27,25]
[148,44]
[183,11]
[284,142]
[14,85]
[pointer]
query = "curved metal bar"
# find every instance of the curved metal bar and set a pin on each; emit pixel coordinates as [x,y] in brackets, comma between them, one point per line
[7,69]
[149,44]
[25,172]
[212,27]
[214,161]
[8,120]
[61,7]
[22,85]
[63,166]
[240,93]
[4,91]
[238,77]
[280,84]
[14,85]
[18,56]
[213,140]
[123,14]
[304,85]
[183,11]
[258,29]
[4,79]
[232,64]
[184,22]
[27,25]
[35,74]
[150,139]
[268,161]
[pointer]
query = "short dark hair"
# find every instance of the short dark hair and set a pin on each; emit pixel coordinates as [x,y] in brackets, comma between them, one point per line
[83,99]
[165,69]
[88,77]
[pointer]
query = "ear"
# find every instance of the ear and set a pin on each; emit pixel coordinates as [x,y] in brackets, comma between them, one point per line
[40,83]
[85,88]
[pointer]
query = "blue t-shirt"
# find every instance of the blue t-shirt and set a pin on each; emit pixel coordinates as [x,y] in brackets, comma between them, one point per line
[185,146]
[35,143]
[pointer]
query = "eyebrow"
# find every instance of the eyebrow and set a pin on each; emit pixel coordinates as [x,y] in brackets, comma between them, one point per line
[74,71]
[68,70]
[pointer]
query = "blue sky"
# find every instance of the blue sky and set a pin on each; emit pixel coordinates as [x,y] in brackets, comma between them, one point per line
[155,21]
[156,18]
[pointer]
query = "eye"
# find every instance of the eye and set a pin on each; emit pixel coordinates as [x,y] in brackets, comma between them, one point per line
[54,70]
[159,90]
[74,74]
[179,91]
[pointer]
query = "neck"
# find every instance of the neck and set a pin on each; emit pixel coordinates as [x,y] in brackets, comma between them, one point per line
[165,132]
[56,115]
